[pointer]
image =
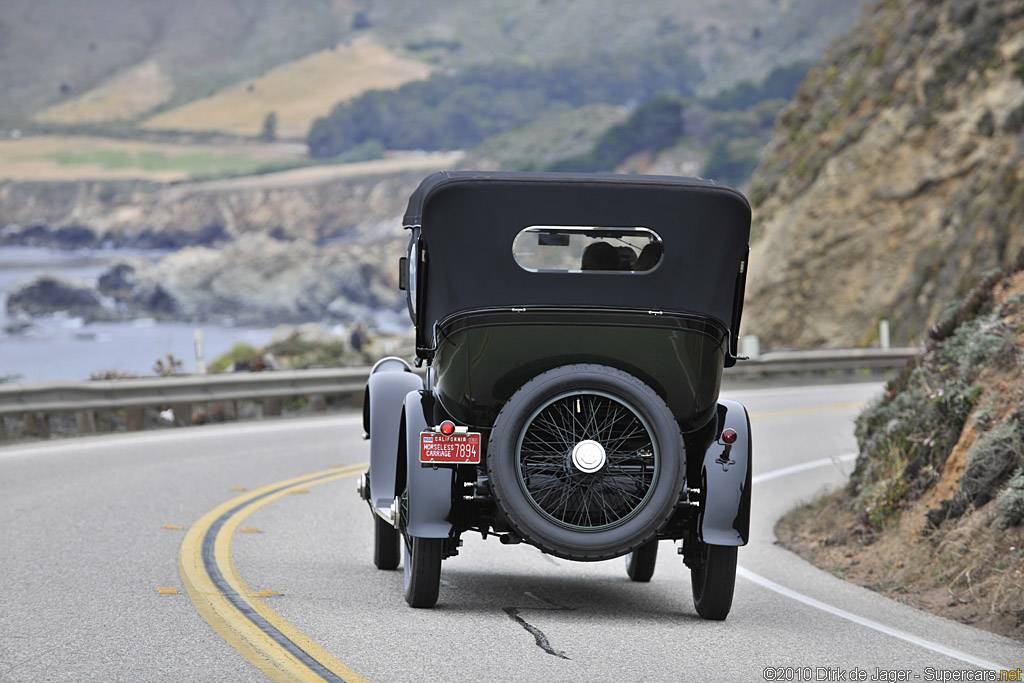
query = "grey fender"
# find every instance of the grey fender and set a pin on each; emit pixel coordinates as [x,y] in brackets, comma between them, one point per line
[390,381]
[430,489]
[724,517]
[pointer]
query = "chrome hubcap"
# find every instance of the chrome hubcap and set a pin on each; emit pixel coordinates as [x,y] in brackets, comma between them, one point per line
[588,456]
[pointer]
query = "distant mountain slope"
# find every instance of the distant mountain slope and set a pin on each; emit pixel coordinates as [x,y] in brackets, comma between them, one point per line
[125,96]
[893,181]
[118,59]
[52,51]
[733,39]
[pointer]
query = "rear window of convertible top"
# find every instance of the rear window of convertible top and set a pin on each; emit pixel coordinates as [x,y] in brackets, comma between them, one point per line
[582,249]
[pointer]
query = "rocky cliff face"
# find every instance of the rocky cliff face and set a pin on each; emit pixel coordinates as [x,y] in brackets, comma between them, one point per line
[893,181]
[141,214]
[258,250]
[257,279]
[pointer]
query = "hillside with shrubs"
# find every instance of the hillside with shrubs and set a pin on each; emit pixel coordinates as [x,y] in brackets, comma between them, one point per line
[933,514]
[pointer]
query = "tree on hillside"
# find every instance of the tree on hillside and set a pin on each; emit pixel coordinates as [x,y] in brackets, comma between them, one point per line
[655,125]
[269,132]
[780,83]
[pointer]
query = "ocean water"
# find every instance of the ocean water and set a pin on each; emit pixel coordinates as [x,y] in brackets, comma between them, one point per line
[65,348]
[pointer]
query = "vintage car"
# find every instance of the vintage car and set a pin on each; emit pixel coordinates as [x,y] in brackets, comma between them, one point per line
[571,332]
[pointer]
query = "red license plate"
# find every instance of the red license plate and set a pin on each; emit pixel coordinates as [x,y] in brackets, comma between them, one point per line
[456,448]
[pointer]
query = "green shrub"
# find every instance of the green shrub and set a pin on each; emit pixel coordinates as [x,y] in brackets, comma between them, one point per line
[167,366]
[982,419]
[655,125]
[994,458]
[978,343]
[781,82]
[300,355]
[977,302]
[112,373]
[906,436]
[732,161]
[239,352]
[1010,504]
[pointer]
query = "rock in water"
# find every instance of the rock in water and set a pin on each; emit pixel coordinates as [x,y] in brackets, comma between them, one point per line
[47,294]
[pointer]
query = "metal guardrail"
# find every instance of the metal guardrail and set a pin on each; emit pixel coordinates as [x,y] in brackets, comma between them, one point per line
[824,360]
[152,391]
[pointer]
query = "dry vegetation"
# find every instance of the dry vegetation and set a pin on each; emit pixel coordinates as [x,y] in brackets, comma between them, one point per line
[124,96]
[297,92]
[933,524]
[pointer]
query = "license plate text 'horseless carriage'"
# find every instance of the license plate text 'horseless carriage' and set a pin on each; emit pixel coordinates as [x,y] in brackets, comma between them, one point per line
[574,329]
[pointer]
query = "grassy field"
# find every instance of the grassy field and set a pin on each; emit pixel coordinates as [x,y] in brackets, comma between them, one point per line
[227,166]
[73,158]
[297,92]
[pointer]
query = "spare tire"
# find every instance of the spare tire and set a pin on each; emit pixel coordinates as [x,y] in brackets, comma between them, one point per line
[586,462]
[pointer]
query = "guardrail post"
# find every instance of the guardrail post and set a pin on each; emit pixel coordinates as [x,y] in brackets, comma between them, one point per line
[134,419]
[197,338]
[37,424]
[317,403]
[883,334]
[226,410]
[182,414]
[272,407]
[750,346]
[86,421]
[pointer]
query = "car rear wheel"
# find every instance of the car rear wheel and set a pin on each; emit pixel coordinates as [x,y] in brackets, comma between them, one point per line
[640,563]
[386,544]
[713,580]
[422,570]
[586,462]
[421,562]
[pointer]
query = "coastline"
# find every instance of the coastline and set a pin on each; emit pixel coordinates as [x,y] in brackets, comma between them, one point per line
[61,347]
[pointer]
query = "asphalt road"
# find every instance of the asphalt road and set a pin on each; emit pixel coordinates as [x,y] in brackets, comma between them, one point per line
[84,550]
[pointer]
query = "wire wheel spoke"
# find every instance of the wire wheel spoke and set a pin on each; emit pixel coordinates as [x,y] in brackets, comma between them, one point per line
[610,482]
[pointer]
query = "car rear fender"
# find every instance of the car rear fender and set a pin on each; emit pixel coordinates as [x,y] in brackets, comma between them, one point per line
[724,517]
[390,381]
[430,488]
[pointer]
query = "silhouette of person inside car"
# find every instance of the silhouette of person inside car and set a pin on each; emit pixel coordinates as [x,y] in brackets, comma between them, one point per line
[649,256]
[600,256]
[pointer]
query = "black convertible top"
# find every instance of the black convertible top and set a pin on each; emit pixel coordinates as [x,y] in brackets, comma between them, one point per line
[466,223]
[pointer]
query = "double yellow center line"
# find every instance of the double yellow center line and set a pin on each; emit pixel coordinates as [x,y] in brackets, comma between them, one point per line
[245,621]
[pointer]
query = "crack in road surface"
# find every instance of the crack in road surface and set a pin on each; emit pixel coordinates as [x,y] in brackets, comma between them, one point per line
[538,635]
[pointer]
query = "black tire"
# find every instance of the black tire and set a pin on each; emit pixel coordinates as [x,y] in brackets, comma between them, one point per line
[713,581]
[625,435]
[640,562]
[387,544]
[422,570]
